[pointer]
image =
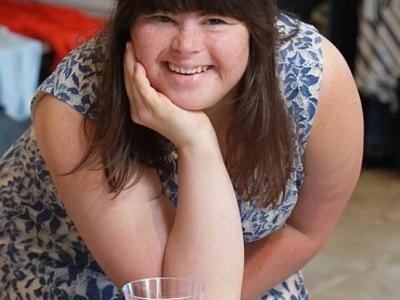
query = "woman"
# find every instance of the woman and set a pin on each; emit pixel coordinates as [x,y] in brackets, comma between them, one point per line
[227,94]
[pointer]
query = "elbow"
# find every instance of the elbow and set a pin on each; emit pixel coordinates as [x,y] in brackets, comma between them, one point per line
[313,240]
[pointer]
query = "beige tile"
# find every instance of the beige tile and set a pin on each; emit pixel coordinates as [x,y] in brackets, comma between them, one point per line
[363,286]
[361,260]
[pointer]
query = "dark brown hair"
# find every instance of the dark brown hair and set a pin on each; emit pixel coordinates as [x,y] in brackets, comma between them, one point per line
[260,141]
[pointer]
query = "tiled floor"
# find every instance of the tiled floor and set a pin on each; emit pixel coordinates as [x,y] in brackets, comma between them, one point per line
[361,260]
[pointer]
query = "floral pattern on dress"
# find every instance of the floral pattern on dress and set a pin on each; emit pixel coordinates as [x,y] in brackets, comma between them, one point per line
[42,256]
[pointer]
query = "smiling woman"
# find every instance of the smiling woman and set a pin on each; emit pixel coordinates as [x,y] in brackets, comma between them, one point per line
[196,60]
[226,96]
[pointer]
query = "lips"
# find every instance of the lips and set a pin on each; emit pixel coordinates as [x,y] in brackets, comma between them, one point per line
[192,70]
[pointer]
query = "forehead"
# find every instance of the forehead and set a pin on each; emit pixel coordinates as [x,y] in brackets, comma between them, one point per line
[222,7]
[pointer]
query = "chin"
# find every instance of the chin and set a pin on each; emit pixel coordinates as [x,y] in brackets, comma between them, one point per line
[190,102]
[188,105]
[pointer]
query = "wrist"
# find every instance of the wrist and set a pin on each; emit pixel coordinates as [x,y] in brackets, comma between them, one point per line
[203,140]
[205,147]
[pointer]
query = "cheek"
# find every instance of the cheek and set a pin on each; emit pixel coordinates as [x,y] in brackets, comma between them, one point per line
[147,46]
[233,51]
[233,58]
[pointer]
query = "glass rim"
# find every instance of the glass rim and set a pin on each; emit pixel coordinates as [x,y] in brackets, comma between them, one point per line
[164,278]
[195,284]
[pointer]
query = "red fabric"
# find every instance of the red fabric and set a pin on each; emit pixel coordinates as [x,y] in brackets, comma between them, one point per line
[62,27]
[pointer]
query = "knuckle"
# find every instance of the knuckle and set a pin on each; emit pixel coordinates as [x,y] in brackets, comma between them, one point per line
[143,92]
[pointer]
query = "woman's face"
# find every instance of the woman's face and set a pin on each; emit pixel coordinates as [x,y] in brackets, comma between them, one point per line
[196,60]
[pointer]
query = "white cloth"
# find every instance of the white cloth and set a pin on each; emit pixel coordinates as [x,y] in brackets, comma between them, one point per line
[20,60]
[378,62]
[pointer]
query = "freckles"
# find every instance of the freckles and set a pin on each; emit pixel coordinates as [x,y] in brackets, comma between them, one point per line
[236,47]
[145,38]
[145,46]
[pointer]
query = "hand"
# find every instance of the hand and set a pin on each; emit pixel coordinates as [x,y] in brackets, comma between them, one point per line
[154,110]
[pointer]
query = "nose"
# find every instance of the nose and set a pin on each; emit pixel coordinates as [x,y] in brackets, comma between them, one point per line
[188,39]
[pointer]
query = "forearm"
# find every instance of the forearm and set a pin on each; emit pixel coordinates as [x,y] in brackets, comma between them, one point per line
[206,240]
[270,261]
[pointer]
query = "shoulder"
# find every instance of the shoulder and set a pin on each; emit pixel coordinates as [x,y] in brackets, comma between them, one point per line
[337,85]
[75,81]
[339,115]
[338,122]
[336,70]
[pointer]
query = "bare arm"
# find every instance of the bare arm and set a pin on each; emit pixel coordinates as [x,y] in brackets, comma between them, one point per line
[126,235]
[332,165]
[206,240]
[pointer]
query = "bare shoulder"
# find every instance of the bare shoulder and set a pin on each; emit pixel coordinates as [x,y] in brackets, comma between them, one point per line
[58,132]
[337,132]
[337,78]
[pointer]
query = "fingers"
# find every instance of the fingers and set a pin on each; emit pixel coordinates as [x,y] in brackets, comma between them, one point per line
[143,98]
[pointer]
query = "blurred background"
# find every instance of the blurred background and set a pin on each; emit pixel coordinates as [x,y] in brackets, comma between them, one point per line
[362,258]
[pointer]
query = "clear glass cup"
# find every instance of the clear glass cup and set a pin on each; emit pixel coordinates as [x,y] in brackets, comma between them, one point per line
[165,288]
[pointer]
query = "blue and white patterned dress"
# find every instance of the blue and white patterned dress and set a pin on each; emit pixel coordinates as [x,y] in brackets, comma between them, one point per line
[42,255]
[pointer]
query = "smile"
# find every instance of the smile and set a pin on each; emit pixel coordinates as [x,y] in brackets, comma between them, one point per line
[187,71]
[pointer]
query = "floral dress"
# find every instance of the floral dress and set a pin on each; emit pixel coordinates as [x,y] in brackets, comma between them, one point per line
[42,256]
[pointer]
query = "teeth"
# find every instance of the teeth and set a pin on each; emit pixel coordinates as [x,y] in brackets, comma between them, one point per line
[187,71]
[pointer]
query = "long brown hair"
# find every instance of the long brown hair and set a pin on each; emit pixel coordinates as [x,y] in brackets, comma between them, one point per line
[260,141]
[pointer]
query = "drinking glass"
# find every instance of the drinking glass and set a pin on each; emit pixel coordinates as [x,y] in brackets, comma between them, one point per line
[165,288]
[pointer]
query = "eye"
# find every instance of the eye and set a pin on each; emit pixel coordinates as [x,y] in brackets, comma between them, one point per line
[162,18]
[215,21]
